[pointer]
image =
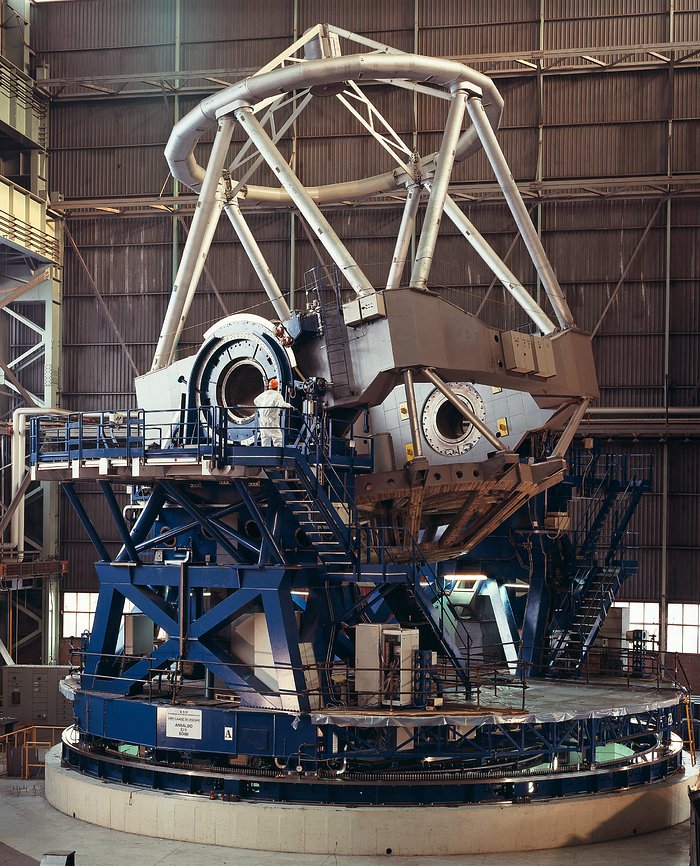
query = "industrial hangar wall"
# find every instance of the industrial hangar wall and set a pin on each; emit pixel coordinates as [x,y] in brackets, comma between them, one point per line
[601,129]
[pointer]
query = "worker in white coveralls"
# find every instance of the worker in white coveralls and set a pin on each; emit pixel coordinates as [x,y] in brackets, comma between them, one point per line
[270,404]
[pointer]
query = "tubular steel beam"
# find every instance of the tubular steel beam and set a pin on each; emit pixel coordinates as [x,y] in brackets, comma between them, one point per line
[517,208]
[403,239]
[204,223]
[257,259]
[569,431]
[510,282]
[144,522]
[412,413]
[303,201]
[438,191]
[447,392]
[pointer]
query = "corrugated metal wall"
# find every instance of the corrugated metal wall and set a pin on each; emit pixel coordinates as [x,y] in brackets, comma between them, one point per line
[593,125]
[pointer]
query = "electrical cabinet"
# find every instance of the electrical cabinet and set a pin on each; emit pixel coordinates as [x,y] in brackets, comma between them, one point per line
[384,658]
[30,693]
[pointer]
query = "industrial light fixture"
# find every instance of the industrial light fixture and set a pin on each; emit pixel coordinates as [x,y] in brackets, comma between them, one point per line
[463,578]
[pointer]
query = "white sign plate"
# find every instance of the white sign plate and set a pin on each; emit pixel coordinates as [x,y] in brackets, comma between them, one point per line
[228,733]
[183,724]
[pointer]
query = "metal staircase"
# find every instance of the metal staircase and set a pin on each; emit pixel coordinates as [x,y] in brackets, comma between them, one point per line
[316,516]
[323,508]
[614,485]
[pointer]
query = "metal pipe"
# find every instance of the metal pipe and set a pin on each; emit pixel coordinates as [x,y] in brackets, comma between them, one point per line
[461,407]
[510,282]
[305,204]
[18,469]
[569,431]
[403,238]
[206,218]
[438,191]
[645,410]
[520,215]
[412,68]
[257,259]
[412,413]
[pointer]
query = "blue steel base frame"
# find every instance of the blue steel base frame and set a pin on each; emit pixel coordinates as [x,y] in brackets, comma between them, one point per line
[207,551]
[317,772]
[291,788]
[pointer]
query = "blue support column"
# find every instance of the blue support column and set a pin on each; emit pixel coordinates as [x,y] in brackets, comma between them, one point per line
[534,622]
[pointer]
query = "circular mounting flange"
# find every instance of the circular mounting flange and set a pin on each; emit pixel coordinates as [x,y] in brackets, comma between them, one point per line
[445,429]
[238,357]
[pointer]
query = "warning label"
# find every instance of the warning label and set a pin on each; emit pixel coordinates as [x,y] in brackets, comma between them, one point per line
[184,724]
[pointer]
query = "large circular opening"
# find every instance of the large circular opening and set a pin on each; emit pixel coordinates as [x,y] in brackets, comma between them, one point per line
[445,428]
[239,386]
[450,423]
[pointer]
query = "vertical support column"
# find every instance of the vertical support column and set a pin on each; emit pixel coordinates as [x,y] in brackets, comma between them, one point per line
[51,605]
[663,589]
[292,215]
[175,253]
[404,237]
[517,208]
[438,192]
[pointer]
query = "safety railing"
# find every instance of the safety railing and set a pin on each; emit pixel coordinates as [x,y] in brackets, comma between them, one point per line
[29,744]
[204,433]
[392,547]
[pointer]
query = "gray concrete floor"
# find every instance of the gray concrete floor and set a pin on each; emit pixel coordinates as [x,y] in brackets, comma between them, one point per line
[30,826]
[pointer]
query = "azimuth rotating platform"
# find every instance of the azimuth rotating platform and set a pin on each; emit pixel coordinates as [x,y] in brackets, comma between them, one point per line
[358,618]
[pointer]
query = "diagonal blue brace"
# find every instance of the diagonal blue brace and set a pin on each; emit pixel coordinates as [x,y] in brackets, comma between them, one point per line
[145,521]
[178,497]
[122,528]
[92,533]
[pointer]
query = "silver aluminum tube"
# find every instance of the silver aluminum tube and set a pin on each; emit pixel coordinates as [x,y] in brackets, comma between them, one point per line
[204,223]
[403,239]
[511,193]
[306,206]
[569,431]
[412,413]
[511,283]
[179,151]
[257,259]
[459,405]
[438,192]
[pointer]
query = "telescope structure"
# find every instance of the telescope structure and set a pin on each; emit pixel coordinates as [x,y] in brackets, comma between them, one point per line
[389,608]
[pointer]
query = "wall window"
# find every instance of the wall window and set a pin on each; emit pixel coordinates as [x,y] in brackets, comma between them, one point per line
[642,615]
[683,628]
[78,612]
